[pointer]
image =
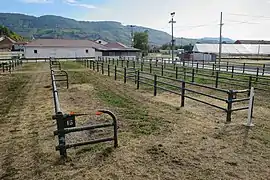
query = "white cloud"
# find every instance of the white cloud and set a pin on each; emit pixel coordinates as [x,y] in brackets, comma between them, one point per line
[76,3]
[37,1]
[194,18]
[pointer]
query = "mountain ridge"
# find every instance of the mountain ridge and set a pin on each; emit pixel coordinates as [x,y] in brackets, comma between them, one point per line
[52,26]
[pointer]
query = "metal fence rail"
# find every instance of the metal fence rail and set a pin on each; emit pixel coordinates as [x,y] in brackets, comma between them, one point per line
[261,68]
[218,78]
[66,123]
[10,65]
[180,87]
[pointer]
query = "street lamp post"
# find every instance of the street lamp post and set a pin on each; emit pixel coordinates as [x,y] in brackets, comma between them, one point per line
[172,22]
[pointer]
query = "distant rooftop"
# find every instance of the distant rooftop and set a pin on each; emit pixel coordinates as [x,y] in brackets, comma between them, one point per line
[79,43]
[251,42]
[63,43]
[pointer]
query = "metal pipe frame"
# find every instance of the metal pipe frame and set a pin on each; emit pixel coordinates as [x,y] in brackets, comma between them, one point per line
[64,126]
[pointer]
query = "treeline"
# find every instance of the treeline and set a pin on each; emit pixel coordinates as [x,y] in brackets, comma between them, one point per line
[187,48]
[7,32]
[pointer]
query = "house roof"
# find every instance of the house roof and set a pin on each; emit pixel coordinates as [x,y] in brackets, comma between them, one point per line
[6,37]
[63,43]
[234,49]
[252,42]
[77,43]
[116,45]
[120,46]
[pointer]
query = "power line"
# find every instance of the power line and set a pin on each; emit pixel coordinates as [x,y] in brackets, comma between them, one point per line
[201,25]
[247,15]
[242,22]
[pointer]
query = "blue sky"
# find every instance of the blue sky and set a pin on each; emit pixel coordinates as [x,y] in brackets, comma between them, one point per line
[67,8]
[243,19]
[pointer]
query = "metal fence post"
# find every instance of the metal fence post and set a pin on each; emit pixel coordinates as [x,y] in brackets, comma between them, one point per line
[197,67]
[94,65]
[250,108]
[229,107]
[155,85]
[127,63]
[183,93]
[115,72]
[203,64]
[150,67]
[102,68]
[217,76]
[193,74]
[185,73]
[125,75]
[165,64]
[213,69]
[263,70]
[12,65]
[162,70]
[244,67]
[227,66]
[138,79]
[257,74]
[108,70]
[176,72]
[232,71]
[249,84]
[61,136]
[141,66]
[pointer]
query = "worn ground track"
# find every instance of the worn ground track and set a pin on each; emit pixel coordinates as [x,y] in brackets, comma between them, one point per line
[189,143]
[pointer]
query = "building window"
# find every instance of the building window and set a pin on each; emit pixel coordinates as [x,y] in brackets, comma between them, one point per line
[86,51]
[35,51]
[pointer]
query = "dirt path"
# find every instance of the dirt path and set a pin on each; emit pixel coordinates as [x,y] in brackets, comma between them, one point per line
[24,134]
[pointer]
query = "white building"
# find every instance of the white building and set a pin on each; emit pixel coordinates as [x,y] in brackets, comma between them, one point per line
[59,48]
[71,49]
[234,49]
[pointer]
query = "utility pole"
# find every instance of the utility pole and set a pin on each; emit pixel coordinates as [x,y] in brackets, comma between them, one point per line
[132,35]
[172,22]
[220,40]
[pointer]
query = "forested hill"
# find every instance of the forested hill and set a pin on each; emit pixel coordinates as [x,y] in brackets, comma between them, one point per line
[7,32]
[50,26]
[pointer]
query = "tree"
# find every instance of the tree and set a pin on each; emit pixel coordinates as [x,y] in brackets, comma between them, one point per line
[141,42]
[187,48]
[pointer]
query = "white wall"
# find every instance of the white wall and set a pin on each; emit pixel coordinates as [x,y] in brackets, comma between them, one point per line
[98,54]
[58,52]
[202,56]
